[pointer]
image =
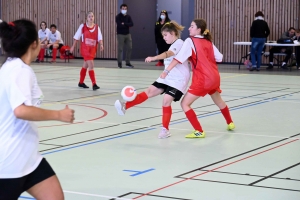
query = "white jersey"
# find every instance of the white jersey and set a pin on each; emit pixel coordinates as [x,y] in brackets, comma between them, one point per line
[19,139]
[179,76]
[55,36]
[44,34]
[188,48]
[78,33]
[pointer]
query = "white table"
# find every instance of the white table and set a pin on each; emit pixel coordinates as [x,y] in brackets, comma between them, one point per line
[244,52]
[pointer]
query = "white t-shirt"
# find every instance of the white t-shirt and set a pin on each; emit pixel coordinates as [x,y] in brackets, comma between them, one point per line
[19,138]
[188,47]
[44,34]
[78,33]
[179,76]
[55,36]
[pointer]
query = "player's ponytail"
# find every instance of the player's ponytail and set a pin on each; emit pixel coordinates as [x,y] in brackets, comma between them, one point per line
[173,26]
[201,23]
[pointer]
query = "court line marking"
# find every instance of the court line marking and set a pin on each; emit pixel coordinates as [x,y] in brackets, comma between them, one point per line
[222,166]
[94,195]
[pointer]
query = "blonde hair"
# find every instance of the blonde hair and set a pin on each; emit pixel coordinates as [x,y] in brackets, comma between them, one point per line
[201,23]
[173,26]
[87,14]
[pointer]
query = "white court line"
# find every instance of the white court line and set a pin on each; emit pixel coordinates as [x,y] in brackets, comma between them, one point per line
[220,132]
[94,195]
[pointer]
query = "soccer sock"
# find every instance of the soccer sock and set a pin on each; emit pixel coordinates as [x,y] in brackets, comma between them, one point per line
[92,76]
[42,54]
[54,51]
[226,114]
[166,118]
[192,117]
[82,75]
[140,98]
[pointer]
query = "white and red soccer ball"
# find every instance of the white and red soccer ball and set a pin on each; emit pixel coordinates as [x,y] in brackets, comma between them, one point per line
[128,93]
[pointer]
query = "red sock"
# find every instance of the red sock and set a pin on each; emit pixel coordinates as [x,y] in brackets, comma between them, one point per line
[42,54]
[39,56]
[82,75]
[140,98]
[192,117]
[54,51]
[166,118]
[92,76]
[226,114]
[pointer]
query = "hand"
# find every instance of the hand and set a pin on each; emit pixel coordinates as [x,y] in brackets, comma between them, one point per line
[72,49]
[122,23]
[163,75]
[49,45]
[101,47]
[149,59]
[66,115]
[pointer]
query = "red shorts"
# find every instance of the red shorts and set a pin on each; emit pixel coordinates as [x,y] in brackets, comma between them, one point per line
[201,92]
[89,53]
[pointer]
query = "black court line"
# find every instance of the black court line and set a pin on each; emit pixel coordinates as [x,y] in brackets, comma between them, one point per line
[274,174]
[226,159]
[150,195]
[247,174]
[146,119]
[52,144]
[266,187]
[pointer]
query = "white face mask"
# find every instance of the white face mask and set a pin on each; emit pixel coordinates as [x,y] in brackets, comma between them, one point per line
[163,17]
[123,12]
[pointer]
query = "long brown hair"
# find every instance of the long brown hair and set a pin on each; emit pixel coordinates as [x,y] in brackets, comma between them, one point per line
[173,26]
[201,23]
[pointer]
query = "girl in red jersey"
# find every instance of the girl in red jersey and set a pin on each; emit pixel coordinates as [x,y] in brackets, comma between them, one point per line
[206,79]
[90,35]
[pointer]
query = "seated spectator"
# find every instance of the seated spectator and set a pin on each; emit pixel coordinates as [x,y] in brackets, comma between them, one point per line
[297,52]
[55,41]
[44,37]
[287,50]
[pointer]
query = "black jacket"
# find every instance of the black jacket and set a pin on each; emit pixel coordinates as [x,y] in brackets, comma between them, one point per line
[259,29]
[126,19]
[157,30]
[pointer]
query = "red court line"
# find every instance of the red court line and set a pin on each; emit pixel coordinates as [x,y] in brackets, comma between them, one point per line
[214,169]
[104,114]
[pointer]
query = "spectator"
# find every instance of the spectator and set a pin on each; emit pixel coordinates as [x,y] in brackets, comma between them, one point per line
[124,22]
[290,34]
[161,44]
[55,42]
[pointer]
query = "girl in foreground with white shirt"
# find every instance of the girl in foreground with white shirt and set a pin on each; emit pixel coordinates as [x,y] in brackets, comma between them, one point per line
[22,168]
[90,35]
[174,86]
[206,78]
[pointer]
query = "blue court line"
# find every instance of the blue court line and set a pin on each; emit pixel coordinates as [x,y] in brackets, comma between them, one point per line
[138,172]
[148,129]
[102,140]
[21,197]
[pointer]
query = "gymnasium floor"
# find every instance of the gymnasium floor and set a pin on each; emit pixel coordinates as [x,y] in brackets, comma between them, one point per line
[107,156]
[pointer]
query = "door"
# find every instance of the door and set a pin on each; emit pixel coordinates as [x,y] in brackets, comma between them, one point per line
[143,14]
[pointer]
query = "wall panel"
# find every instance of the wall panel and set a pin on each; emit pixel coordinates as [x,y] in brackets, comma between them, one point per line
[68,15]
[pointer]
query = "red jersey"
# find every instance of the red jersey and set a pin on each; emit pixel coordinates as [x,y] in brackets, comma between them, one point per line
[90,42]
[206,77]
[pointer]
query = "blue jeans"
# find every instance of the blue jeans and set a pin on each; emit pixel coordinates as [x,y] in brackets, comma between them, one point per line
[256,48]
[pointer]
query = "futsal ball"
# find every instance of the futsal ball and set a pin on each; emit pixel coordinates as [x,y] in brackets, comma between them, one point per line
[128,93]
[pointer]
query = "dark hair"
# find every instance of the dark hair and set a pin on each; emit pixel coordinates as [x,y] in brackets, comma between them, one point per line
[123,5]
[53,25]
[292,28]
[167,16]
[173,26]
[17,36]
[201,23]
[259,13]
[42,23]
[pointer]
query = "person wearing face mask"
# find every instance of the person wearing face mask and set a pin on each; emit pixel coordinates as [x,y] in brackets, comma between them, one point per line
[124,22]
[162,46]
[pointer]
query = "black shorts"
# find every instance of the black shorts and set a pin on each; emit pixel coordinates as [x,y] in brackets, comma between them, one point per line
[12,188]
[59,46]
[173,92]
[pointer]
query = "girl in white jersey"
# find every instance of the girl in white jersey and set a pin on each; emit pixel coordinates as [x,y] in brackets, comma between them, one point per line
[22,168]
[44,37]
[174,86]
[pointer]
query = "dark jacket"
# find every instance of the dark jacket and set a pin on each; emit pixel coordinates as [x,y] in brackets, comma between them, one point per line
[259,29]
[157,30]
[123,29]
